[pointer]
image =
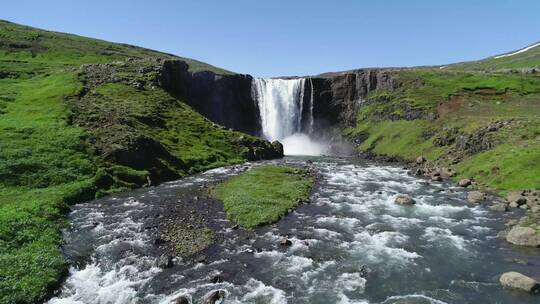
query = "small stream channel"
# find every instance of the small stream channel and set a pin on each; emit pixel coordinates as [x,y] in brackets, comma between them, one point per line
[351,244]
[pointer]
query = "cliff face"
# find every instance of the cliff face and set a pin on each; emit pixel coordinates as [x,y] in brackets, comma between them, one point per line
[333,98]
[338,96]
[224,99]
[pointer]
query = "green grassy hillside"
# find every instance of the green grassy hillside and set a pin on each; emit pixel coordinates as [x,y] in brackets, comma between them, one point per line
[485,125]
[526,58]
[70,132]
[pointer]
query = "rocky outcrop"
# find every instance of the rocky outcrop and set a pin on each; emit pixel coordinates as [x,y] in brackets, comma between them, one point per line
[337,96]
[129,110]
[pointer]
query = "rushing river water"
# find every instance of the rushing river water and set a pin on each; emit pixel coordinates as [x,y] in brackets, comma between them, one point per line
[351,244]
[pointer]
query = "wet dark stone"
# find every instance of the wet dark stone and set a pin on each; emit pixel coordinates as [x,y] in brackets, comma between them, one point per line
[159,241]
[181,300]
[214,296]
[285,242]
[165,261]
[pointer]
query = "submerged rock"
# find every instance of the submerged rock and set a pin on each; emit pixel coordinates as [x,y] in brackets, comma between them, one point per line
[181,300]
[476,197]
[523,236]
[214,296]
[502,207]
[403,199]
[285,242]
[519,281]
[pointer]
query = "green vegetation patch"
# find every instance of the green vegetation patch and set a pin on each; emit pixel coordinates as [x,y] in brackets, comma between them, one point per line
[44,164]
[401,137]
[264,194]
[506,167]
[435,113]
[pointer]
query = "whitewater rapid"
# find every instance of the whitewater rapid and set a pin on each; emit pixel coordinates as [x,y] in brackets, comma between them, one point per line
[351,244]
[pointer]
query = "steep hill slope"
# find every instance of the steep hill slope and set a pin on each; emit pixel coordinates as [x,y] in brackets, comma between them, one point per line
[81,118]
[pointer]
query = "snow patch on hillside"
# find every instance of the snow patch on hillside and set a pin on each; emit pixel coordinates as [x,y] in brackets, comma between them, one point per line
[518,52]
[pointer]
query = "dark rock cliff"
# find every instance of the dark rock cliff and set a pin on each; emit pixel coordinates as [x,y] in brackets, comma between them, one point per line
[338,96]
[227,99]
[224,99]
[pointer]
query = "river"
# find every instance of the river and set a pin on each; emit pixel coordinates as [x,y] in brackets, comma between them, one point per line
[350,244]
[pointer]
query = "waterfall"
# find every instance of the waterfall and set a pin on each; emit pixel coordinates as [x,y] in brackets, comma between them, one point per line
[280,104]
[311,107]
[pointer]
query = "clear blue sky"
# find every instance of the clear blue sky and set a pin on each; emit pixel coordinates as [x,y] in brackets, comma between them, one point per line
[297,37]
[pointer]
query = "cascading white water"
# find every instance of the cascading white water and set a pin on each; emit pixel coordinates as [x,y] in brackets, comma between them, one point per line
[280,104]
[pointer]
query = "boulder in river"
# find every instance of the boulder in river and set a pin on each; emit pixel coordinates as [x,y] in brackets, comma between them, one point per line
[464,182]
[181,300]
[523,236]
[502,207]
[285,242]
[403,199]
[476,197]
[214,296]
[165,261]
[519,281]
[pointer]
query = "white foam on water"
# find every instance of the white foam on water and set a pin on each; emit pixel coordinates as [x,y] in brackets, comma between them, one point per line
[401,222]
[131,202]
[347,223]
[92,284]
[479,229]
[255,291]
[301,144]
[444,237]
[351,282]
[296,264]
[311,274]
[381,248]
[326,234]
[405,298]
[343,299]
